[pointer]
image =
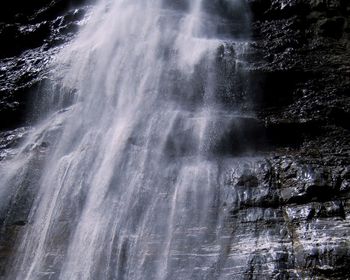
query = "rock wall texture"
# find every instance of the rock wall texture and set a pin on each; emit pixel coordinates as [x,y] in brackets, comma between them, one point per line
[30,33]
[289,207]
[298,199]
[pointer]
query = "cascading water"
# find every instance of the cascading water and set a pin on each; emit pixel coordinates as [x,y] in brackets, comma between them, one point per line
[130,188]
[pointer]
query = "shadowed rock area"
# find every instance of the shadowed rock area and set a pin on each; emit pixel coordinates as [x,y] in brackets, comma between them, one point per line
[30,34]
[299,69]
[288,206]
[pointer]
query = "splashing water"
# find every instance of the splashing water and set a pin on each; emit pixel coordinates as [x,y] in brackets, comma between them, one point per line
[130,187]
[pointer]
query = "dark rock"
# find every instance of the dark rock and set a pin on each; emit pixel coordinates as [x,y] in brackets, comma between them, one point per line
[30,34]
[331,27]
[16,38]
[302,233]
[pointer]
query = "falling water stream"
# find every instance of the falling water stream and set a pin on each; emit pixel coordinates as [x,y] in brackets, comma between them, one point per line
[130,186]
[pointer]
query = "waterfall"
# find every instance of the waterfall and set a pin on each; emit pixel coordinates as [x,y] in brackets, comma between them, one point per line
[126,179]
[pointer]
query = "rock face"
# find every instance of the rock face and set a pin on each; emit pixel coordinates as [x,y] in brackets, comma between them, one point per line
[292,212]
[289,208]
[30,33]
[290,219]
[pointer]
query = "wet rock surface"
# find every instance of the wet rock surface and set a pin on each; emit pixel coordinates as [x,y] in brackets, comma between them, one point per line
[289,217]
[30,34]
[295,207]
[288,210]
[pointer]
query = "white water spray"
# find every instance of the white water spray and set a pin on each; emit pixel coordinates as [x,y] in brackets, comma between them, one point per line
[130,187]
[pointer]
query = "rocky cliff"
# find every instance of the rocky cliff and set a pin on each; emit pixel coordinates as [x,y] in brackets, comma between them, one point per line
[30,33]
[289,205]
[294,219]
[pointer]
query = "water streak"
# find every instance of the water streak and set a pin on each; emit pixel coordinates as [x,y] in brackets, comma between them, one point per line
[130,187]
